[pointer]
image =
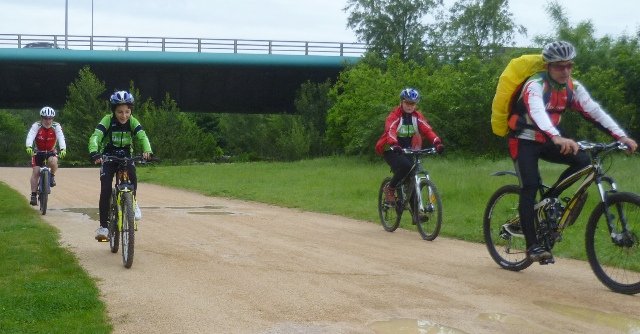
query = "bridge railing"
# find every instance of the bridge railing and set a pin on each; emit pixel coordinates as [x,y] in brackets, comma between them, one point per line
[174,44]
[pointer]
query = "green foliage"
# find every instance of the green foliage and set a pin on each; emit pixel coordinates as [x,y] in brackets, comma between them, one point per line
[391,26]
[456,101]
[265,137]
[13,133]
[479,27]
[312,104]
[175,136]
[81,113]
[43,289]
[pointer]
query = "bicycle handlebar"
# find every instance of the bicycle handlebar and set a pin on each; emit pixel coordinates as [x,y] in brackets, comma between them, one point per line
[424,151]
[137,158]
[601,147]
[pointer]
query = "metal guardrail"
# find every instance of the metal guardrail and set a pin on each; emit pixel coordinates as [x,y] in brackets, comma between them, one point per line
[172,44]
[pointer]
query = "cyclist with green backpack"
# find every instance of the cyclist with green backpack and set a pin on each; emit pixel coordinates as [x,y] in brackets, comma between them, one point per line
[114,135]
[534,134]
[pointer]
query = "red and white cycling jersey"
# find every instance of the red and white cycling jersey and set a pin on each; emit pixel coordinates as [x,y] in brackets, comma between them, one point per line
[45,139]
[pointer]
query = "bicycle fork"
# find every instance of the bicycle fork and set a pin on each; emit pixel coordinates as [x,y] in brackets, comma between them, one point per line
[624,238]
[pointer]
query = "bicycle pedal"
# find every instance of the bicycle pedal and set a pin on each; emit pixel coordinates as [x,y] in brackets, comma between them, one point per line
[547,261]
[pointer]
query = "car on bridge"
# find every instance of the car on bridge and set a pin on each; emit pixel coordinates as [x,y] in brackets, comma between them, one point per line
[42,45]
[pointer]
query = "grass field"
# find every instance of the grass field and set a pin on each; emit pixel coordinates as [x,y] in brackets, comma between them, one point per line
[44,290]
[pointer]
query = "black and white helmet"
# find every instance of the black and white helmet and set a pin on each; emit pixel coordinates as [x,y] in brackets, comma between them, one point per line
[47,112]
[558,51]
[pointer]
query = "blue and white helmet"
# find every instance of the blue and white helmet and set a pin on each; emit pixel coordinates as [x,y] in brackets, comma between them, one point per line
[121,97]
[410,94]
[47,112]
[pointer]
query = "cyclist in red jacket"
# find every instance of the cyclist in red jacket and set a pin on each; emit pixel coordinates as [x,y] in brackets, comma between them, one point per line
[45,134]
[405,127]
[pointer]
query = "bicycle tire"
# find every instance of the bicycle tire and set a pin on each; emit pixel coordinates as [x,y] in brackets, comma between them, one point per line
[506,249]
[390,215]
[617,265]
[128,231]
[43,197]
[429,228]
[114,236]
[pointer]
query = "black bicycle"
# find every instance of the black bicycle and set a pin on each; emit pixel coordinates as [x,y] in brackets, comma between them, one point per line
[44,181]
[418,194]
[122,224]
[611,237]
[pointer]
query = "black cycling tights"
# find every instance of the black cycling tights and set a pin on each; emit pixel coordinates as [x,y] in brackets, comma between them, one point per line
[526,163]
[400,165]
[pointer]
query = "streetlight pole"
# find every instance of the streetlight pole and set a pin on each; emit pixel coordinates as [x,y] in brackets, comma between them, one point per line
[91,48]
[66,24]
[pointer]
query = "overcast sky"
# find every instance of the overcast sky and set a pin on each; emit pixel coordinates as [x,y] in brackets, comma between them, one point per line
[299,20]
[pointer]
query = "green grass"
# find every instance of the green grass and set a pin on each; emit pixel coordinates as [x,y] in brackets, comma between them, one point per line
[349,186]
[43,289]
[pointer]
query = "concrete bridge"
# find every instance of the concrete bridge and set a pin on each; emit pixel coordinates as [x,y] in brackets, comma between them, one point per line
[201,75]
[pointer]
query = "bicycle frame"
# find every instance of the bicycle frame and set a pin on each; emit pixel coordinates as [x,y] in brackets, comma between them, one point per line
[593,173]
[122,185]
[413,179]
[44,179]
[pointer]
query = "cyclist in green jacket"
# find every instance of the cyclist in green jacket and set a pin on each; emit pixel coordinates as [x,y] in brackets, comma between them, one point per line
[114,135]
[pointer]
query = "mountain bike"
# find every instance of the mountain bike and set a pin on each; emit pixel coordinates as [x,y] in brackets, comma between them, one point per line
[611,237]
[122,224]
[44,181]
[418,194]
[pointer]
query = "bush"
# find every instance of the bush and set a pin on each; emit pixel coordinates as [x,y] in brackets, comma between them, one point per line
[13,133]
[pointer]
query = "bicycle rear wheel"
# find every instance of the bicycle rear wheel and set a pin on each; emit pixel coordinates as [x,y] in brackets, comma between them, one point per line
[502,232]
[128,231]
[43,197]
[429,221]
[114,236]
[390,214]
[614,256]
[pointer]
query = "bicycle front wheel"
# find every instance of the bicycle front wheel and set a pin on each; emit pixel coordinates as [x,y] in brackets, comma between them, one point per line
[390,214]
[128,230]
[43,197]
[502,232]
[614,255]
[114,234]
[429,219]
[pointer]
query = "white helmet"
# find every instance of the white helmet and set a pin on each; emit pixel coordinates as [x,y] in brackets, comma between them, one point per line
[47,112]
[558,51]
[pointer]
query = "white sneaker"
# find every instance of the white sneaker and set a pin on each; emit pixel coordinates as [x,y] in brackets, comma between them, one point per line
[137,213]
[102,234]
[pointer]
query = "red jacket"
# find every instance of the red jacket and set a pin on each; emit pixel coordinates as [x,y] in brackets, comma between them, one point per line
[390,135]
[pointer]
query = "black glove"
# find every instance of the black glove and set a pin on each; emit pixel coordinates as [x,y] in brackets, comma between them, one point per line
[93,156]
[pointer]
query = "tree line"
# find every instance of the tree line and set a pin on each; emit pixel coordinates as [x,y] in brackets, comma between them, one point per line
[457,80]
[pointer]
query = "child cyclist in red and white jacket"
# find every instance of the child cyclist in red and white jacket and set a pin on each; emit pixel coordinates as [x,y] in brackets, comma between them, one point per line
[45,134]
[405,127]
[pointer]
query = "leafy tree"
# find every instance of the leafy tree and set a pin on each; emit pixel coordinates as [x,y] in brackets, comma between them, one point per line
[391,26]
[81,113]
[479,27]
[312,103]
